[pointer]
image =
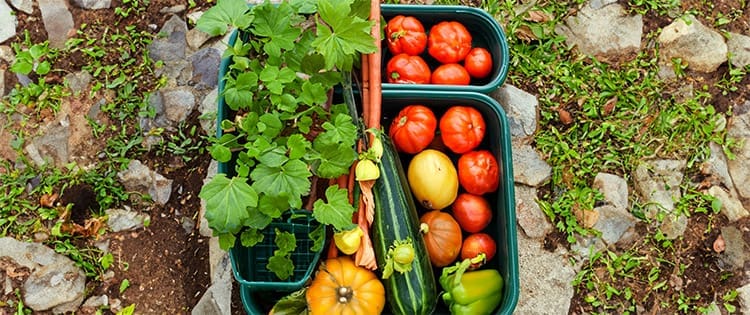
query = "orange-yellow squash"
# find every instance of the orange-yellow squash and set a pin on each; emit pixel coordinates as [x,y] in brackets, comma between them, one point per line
[341,288]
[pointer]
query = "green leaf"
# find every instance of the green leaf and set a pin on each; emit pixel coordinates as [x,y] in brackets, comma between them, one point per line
[220,153]
[107,260]
[215,20]
[275,22]
[43,68]
[272,206]
[286,241]
[273,124]
[226,240]
[318,235]
[297,145]
[227,201]
[292,304]
[285,102]
[124,285]
[250,237]
[335,160]
[342,130]
[342,36]
[291,179]
[273,158]
[281,266]
[304,124]
[304,6]
[336,210]
[313,94]
[21,67]
[129,310]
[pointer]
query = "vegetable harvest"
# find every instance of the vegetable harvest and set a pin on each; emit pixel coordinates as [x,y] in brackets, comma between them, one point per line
[472,292]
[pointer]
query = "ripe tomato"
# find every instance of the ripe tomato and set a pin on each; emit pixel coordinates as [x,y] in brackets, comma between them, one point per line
[413,129]
[405,34]
[449,42]
[403,68]
[451,73]
[462,128]
[476,244]
[442,237]
[478,172]
[478,62]
[472,212]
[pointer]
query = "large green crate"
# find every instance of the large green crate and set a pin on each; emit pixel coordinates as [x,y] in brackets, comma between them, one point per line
[485,31]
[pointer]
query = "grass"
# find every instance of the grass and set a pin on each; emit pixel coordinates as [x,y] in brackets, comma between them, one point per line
[618,115]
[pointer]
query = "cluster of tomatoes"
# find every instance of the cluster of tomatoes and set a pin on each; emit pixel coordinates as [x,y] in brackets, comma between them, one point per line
[435,179]
[448,42]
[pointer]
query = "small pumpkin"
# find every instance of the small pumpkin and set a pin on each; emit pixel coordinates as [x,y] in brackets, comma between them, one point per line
[341,287]
[442,237]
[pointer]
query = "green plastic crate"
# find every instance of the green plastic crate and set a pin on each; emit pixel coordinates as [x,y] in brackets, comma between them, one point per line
[485,31]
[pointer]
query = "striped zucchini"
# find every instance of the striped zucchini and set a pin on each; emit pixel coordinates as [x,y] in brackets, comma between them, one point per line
[415,291]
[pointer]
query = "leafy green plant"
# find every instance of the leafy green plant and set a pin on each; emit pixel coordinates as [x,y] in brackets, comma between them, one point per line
[284,132]
[36,58]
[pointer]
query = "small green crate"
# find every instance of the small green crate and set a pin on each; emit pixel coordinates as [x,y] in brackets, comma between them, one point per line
[249,264]
[485,31]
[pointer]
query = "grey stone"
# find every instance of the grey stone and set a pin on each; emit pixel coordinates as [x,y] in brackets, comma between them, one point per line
[716,167]
[194,16]
[218,297]
[178,103]
[93,4]
[744,298]
[730,206]
[208,110]
[206,64]
[7,54]
[25,6]
[738,46]
[173,9]
[544,289]
[530,216]
[606,32]
[586,245]
[178,72]
[55,283]
[8,22]
[658,182]
[196,38]
[2,83]
[521,109]
[140,178]
[598,4]
[614,188]
[737,252]
[172,46]
[78,81]
[528,167]
[96,301]
[52,146]
[674,225]
[124,220]
[739,167]
[613,223]
[203,229]
[701,47]
[58,21]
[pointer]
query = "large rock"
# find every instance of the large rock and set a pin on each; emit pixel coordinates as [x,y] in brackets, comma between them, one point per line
[737,252]
[521,109]
[209,110]
[58,21]
[52,146]
[125,220]
[701,47]
[739,47]
[93,4]
[172,46]
[140,178]
[730,206]
[744,297]
[739,167]
[717,169]
[614,188]
[658,182]
[178,103]
[528,166]
[206,63]
[613,222]
[25,6]
[55,283]
[545,279]
[530,216]
[604,31]
[8,22]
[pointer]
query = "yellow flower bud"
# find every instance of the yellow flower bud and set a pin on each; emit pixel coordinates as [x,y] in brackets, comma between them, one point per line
[348,241]
[366,170]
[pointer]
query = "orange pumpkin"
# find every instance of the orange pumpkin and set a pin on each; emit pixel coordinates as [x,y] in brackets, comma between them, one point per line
[341,287]
[442,237]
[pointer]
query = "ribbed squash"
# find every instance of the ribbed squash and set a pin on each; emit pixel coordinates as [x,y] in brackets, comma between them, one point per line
[442,236]
[340,287]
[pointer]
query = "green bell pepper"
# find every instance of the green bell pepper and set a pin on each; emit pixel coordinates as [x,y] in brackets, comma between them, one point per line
[472,292]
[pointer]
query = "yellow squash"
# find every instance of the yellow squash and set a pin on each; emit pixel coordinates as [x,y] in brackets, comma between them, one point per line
[341,288]
[433,179]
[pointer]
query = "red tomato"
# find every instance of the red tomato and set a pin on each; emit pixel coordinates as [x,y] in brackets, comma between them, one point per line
[472,212]
[449,42]
[478,172]
[405,34]
[462,128]
[476,244]
[478,63]
[451,73]
[403,68]
[413,129]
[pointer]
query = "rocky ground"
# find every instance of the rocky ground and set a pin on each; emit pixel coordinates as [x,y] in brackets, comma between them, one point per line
[174,266]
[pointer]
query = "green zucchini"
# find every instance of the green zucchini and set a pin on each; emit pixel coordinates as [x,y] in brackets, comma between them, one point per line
[396,220]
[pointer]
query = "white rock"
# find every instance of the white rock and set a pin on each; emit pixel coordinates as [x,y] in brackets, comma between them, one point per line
[613,223]
[614,188]
[545,279]
[528,166]
[658,182]
[739,48]
[58,21]
[140,178]
[208,109]
[124,220]
[607,31]
[716,166]
[674,226]
[701,47]
[8,22]
[521,109]
[530,216]
[744,297]
[730,206]
[25,6]
[93,4]
[178,103]
[195,38]
[739,167]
